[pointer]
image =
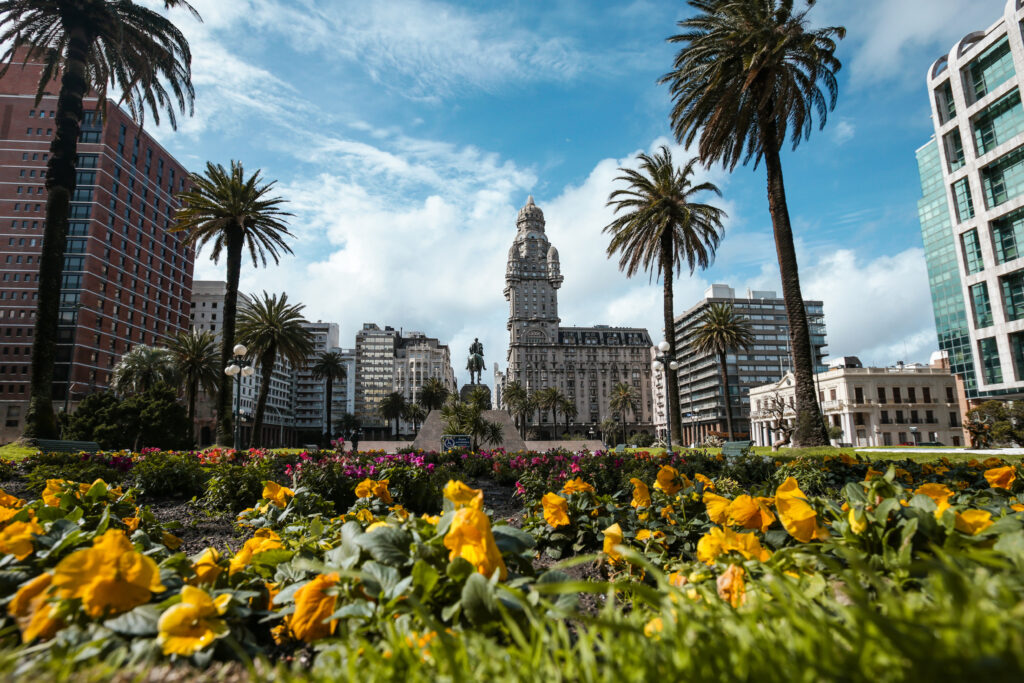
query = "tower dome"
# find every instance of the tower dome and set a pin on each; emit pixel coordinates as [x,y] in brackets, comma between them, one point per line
[552,253]
[530,216]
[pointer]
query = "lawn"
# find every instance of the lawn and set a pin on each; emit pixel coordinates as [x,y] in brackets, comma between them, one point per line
[15,452]
[916,454]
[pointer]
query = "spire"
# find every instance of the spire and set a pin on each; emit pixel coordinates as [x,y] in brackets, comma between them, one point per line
[529,201]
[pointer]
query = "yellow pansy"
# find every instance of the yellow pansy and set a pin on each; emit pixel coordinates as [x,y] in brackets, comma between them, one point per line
[462,495]
[192,624]
[858,521]
[973,522]
[54,487]
[708,484]
[641,494]
[207,567]
[731,587]
[277,494]
[940,493]
[796,514]
[364,516]
[170,540]
[371,488]
[262,541]
[992,462]
[17,538]
[470,538]
[1001,477]
[871,474]
[400,512]
[577,485]
[612,538]
[31,610]
[312,608]
[109,578]
[719,541]
[9,501]
[654,627]
[132,523]
[433,519]
[376,525]
[556,510]
[751,513]
[645,534]
[718,507]
[669,480]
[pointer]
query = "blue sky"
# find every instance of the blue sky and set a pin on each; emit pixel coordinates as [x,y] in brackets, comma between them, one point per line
[407,133]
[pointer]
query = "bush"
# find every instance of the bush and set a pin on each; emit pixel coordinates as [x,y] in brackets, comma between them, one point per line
[81,467]
[153,418]
[233,488]
[169,475]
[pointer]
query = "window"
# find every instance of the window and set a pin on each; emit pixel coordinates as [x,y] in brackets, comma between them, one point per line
[982,306]
[999,122]
[1008,236]
[1003,179]
[90,136]
[911,395]
[988,355]
[944,102]
[1013,295]
[895,394]
[881,394]
[926,394]
[991,68]
[954,149]
[972,252]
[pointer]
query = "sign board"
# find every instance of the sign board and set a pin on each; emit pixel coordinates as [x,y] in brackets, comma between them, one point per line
[450,441]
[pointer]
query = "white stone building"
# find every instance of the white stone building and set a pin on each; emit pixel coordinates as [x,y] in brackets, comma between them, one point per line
[913,404]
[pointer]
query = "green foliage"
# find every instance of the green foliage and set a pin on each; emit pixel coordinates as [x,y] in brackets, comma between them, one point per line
[153,418]
[996,423]
[234,487]
[642,439]
[169,475]
[72,466]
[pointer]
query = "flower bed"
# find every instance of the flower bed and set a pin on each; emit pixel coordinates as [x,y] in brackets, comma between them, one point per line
[374,565]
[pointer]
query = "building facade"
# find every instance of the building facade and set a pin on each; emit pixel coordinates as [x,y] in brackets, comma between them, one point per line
[906,404]
[585,363]
[311,393]
[418,359]
[972,206]
[701,390]
[127,280]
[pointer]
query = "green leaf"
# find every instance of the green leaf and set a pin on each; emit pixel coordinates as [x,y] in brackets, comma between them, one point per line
[378,578]
[459,570]
[478,600]
[424,577]
[141,621]
[358,609]
[512,540]
[272,558]
[387,545]
[1012,545]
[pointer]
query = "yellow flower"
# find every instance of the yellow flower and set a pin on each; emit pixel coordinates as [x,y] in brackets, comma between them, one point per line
[667,512]
[369,488]
[312,608]
[433,519]
[973,522]
[799,518]
[718,507]
[192,624]
[7,514]
[708,484]
[207,567]
[30,609]
[719,541]
[871,474]
[109,578]
[858,522]
[264,540]
[612,538]
[940,493]
[400,512]
[645,534]
[462,495]
[751,513]
[470,538]
[132,523]
[731,587]
[277,494]
[9,501]
[668,480]
[376,525]
[641,494]
[654,627]
[364,516]
[992,462]
[16,538]
[556,510]
[577,485]
[54,487]
[170,540]
[1001,477]
[1017,507]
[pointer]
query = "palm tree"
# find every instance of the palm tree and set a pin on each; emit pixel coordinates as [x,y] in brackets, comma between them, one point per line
[661,227]
[197,362]
[329,366]
[143,368]
[271,328]
[607,426]
[722,330]
[392,407]
[89,45]
[232,212]
[748,72]
[551,398]
[433,393]
[514,398]
[569,411]
[416,414]
[622,399]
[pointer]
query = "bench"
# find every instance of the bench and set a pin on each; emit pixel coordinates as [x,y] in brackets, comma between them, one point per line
[736,449]
[56,446]
[620,449]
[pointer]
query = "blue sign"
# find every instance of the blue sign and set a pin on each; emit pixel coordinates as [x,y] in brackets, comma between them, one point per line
[451,441]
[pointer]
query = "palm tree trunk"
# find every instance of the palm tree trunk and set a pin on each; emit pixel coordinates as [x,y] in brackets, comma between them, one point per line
[60,186]
[810,428]
[225,420]
[266,372]
[725,388]
[193,390]
[327,408]
[671,378]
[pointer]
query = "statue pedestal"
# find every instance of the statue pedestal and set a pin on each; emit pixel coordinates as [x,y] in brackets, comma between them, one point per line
[468,389]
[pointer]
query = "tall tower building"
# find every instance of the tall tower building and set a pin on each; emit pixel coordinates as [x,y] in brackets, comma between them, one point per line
[585,363]
[972,206]
[127,280]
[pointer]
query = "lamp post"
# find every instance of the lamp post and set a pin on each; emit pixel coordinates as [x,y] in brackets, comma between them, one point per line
[238,369]
[662,361]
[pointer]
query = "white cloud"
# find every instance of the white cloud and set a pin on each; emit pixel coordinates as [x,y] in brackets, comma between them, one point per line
[843,131]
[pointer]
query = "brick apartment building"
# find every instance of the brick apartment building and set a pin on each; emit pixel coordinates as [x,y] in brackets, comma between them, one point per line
[126,281]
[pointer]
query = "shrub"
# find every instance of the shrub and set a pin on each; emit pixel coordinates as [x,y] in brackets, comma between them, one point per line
[169,475]
[233,488]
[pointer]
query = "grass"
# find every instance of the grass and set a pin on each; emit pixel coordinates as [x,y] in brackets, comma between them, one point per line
[906,453]
[16,452]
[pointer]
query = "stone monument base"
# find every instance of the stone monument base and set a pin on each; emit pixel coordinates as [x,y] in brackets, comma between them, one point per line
[429,438]
[468,389]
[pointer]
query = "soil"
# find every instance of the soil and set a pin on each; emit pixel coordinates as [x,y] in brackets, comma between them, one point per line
[200,528]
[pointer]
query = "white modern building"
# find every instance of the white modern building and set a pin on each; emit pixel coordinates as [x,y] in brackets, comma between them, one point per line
[872,406]
[972,206]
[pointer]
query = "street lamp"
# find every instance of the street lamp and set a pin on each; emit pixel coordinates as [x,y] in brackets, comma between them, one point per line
[662,359]
[238,369]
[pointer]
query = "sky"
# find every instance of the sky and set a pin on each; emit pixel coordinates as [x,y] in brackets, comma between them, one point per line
[406,134]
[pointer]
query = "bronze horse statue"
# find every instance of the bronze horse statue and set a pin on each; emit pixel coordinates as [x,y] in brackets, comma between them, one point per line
[475,362]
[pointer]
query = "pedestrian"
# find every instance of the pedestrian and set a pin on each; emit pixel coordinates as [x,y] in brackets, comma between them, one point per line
[355,440]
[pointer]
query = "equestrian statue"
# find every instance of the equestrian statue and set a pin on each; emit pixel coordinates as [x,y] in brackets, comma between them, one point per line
[475,362]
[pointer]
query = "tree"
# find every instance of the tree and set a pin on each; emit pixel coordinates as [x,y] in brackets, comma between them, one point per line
[569,410]
[416,414]
[661,227]
[480,398]
[775,409]
[467,418]
[197,364]
[622,400]
[145,58]
[151,418]
[392,407]
[433,393]
[329,366]
[995,423]
[550,398]
[607,426]
[231,212]
[720,330]
[271,328]
[515,400]
[347,423]
[749,72]
[142,368]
